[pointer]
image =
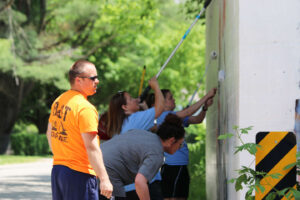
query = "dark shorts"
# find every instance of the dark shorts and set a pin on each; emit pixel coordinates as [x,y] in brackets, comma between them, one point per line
[70,184]
[101,197]
[132,195]
[154,190]
[175,181]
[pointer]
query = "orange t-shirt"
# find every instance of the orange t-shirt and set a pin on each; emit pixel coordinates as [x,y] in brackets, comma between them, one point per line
[71,115]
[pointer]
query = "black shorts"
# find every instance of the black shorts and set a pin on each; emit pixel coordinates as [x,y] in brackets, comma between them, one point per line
[154,190]
[175,181]
[101,197]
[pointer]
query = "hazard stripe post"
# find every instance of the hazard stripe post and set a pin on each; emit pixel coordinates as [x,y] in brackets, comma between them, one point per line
[278,149]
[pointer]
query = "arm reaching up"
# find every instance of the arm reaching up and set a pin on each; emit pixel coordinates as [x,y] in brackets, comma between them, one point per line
[159,103]
[193,108]
[200,117]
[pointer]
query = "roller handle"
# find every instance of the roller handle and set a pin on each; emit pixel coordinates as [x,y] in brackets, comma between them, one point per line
[144,94]
[207,3]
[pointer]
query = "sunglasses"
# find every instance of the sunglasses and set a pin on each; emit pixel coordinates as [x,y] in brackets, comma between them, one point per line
[93,78]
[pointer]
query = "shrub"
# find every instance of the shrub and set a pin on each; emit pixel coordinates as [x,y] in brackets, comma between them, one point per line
[21,127]
[251,179]
[29,144]
[197,161]
[197,170]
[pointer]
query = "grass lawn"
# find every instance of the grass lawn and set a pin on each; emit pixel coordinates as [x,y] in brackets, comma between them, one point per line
[12,159]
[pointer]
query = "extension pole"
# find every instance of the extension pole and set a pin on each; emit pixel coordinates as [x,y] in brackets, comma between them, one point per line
[213,56]
[142,80]
[144,94]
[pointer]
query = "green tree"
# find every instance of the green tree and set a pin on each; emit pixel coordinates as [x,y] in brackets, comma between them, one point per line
[151,47]
[41,39]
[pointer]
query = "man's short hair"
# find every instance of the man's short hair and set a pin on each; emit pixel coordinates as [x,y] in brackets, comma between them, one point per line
[77,68]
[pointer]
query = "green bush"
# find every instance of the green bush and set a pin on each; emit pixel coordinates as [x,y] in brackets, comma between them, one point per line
[195,133]
[21,127]
[29,144]
[197,162]
[197,170]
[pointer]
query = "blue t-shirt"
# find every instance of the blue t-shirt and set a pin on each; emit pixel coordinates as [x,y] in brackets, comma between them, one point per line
[181,156]
[142,120]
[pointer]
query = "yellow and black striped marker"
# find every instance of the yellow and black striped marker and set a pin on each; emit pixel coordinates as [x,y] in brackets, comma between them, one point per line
[278,149]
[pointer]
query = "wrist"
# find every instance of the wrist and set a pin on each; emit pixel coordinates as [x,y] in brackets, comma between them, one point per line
[155,88]
[204,108]
[103,179]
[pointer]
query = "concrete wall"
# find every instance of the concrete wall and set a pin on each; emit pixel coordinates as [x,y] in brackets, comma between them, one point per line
[258,46]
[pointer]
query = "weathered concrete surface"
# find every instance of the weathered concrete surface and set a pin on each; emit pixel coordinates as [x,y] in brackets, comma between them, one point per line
[29,181]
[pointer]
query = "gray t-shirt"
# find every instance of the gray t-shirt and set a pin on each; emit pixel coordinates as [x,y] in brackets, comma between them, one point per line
[125,155]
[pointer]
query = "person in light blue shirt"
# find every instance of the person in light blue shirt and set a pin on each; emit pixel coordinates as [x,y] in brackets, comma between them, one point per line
[175,176]
[123,109]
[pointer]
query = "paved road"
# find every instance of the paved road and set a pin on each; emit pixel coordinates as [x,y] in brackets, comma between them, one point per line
[29,181]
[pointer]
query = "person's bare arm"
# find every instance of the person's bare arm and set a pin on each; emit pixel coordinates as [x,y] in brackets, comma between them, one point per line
[96,161]
[141,187]
[48,133]
[159,103]
[199,118]
[193,108]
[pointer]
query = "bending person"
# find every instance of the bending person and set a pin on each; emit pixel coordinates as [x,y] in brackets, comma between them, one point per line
[72,137]
[175,176]
[137,155]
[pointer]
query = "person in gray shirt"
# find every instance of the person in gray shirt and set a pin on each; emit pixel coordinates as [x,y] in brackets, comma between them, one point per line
[135,157]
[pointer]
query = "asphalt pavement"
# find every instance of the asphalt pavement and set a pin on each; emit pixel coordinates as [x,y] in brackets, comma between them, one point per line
[28,181]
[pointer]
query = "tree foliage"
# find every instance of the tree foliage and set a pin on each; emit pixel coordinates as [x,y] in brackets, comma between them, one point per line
[41,39]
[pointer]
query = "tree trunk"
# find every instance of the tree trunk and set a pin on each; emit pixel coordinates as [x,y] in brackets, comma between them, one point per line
[42,124]
[11,96]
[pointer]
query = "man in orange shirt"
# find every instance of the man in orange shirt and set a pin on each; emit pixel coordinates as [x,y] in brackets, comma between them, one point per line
[72,137]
